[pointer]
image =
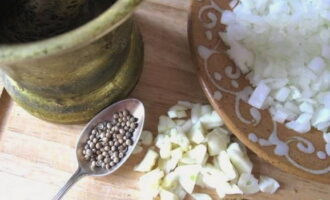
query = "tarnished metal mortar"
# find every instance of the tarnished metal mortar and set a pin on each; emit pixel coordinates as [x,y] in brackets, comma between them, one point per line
[63,61]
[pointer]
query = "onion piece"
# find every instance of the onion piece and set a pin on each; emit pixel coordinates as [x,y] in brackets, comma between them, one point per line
[259,95]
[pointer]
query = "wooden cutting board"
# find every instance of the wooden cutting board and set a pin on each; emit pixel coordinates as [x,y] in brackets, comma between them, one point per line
[37,157]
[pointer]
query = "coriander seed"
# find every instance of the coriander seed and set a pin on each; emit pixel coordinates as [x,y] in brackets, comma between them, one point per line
[98,145]
[89,152]
[93,164]
[99,157]
[128,142]
[109,141]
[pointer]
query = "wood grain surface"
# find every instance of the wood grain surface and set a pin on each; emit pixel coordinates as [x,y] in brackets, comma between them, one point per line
[37,157]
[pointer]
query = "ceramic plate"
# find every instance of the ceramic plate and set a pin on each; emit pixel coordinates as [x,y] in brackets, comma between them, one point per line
[228,90]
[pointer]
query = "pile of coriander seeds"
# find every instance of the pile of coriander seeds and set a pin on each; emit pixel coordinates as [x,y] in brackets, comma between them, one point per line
[109,141]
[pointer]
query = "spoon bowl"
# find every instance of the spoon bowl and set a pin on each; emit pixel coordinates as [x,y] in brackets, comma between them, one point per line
[135,108]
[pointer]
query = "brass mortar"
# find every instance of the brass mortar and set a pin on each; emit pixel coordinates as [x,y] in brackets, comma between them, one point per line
[70,77]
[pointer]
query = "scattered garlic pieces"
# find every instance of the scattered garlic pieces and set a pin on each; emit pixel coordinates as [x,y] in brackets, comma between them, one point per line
[165,123]
[226,166]
[163,142]
[268,184]
[177,111]
[138,149]
[196,151]
[188,175]
[148,161]
[248,183]
[167,195]
[146,138]
[239,158]
[217,140]
[197,133]
[201,196]
[149,184]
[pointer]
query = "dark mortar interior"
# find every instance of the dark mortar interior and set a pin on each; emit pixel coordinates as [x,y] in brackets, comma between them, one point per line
[24,21]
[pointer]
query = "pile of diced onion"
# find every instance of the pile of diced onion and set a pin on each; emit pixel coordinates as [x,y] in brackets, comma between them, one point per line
[284,48]
[195,150]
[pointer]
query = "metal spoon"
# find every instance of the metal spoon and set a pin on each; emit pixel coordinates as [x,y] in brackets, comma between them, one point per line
[136,108]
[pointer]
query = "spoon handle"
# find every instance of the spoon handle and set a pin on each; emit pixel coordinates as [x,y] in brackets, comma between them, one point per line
[74,178]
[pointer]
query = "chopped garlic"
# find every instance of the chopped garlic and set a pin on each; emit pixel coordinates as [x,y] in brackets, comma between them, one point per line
[149,184]
[248,183]
[226,166]
[179,122]
[201,196]
[211,120]
[210,176]
[239,158]
[197,133]
[195,156]
[170,181]
[177,114]
[223,188]
[177,111]
[217,141]
[178,137]
[164,144]
[178,107]
[169,164]
[188,175]
[167,195]
[165,123]
[206,109]
[178,190]
[196,111]
[197,151]
[268,184]
[146,138]
[138,149]
[186,127]
[148,161]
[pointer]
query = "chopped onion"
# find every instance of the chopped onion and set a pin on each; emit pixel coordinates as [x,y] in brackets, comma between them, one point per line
[259,95]
[284,50]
